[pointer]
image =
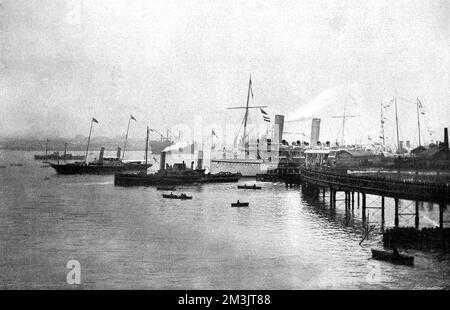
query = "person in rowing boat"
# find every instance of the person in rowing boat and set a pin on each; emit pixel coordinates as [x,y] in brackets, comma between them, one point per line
[238,203]
[254,185]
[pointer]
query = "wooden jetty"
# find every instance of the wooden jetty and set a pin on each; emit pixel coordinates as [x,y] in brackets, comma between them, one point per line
[321,180]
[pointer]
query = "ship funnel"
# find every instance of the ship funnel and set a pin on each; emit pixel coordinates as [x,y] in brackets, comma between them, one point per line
[102,151]
[279,126]
[200,160]
[446,137]
[162,163]
[118,152]
[315,131]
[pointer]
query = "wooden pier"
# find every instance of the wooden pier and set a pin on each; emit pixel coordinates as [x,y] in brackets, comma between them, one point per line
[418,191]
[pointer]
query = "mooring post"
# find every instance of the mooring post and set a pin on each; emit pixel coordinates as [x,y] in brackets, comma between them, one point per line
[346,199]
[417,215]
[333,205]
[382,213]
[441,216]
[323,193]
[363,207]
[331,197]
[396,213]
[353,200]
[358,199]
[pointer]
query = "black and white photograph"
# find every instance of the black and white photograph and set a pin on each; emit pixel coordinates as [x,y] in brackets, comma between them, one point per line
[208,145]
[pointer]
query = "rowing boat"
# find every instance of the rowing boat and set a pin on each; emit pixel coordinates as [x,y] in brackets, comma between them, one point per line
[398,259]
[249,187]
[172,196]
[239,204]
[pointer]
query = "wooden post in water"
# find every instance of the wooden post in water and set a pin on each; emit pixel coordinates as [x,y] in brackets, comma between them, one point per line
[363,207]
[358,199]
[441,216]
[396,221]
[417,215]
[353,200]
[382,213]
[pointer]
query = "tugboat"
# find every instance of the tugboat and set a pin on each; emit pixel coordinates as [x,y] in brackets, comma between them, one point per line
[173,175]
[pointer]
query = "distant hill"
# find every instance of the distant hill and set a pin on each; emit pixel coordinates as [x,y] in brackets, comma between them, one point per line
[79,143]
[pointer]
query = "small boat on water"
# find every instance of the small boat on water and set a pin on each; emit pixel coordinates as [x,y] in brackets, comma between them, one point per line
[393,257]
[245,186]
[172,196]
[166,188]
[239,204]
[2,167]
[16,165]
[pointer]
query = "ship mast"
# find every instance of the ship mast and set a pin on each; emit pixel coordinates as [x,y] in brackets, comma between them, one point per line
[419,105]
[244,137]
[89,139]
[344,117]
[382,125]
[396,125]
[247,107]
[126,136]
[146,147]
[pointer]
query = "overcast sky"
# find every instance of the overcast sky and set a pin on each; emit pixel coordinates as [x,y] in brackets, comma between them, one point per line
[63,62]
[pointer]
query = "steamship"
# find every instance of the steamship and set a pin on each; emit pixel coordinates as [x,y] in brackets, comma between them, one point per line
[248,167]
[104,165]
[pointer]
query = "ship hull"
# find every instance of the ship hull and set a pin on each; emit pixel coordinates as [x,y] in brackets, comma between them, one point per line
[57,157]
[68,169]
[246,167]
[135,179]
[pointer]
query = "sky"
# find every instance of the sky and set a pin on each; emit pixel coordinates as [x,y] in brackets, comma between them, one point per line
[170,62]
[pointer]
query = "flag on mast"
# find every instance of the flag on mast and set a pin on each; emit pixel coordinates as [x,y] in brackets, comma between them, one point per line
[419,103]
[264,115]
[94,120]
[251,88]
[213,133]
[132,117]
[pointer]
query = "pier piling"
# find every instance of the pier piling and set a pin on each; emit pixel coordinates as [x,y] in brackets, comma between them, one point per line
[396,220]
[417,215]
[382,213]
[363,207]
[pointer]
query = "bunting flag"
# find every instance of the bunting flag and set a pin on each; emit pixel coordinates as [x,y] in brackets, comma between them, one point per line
[94,120]
[266,119]
[419,103]
[132,117]
[213,133]
[263,112]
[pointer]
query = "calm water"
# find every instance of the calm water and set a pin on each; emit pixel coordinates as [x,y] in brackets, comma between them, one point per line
[132,238]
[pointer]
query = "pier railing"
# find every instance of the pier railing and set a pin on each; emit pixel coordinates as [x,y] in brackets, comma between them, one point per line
[385,186]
